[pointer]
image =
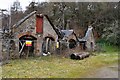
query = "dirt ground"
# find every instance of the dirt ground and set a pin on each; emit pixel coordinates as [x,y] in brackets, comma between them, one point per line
[105,72]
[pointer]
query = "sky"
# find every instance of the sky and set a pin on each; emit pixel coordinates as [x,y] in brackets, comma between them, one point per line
[5,4]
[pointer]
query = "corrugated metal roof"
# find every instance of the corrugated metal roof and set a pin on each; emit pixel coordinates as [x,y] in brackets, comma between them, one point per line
[67,32]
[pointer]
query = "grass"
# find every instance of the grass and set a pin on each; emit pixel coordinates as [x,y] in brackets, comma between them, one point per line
[56,66]
[109,47]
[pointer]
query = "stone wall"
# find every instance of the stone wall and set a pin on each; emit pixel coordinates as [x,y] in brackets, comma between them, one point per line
[48,30]
[27,26]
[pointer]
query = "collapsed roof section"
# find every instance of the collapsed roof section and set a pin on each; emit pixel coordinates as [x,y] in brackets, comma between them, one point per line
[46,20]
[24,19]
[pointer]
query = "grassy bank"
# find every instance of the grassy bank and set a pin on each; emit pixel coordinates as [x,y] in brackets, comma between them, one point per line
[54,67]
[58,67]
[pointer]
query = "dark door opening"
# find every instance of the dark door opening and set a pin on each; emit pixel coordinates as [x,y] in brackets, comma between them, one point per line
[27,45]
[47,45]
[72,43]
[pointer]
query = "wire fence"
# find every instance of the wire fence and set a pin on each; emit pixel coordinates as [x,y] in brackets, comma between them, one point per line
[6,50]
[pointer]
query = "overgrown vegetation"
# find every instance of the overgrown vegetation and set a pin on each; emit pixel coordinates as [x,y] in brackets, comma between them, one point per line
[58,67]
[106,47]
[103,16]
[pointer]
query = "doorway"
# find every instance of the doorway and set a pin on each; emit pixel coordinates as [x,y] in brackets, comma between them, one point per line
[27,45]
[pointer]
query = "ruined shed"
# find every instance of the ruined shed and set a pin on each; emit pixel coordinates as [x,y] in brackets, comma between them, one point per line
[70,37]
[88,41]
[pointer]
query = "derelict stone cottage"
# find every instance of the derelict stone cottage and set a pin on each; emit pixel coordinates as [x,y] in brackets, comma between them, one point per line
[30,32]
